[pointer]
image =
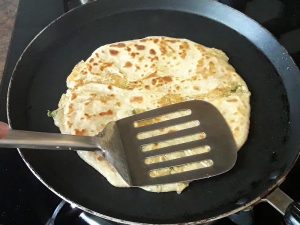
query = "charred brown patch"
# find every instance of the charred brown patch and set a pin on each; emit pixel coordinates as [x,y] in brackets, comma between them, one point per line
[140,47]
[71,109]
[106,113]
[136,99]
[171,41]
[194,77]
[87,115]
[154,59]
[167,79]
[152,51]
[128,64]
[113,52]
[154,81]
[100,158]
[184,47]
[163,49]
[74,95]
[80,132]
[119,45]
[105,65]
[161,80]
[89,67]
[79,83]
[151,75]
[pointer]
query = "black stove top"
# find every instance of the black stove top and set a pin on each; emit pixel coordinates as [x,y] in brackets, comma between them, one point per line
[24,200]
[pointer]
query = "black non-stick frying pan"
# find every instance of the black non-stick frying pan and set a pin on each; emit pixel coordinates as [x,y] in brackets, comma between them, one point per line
[271,75]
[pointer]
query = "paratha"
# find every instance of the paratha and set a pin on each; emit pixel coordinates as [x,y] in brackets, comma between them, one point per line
[125,78]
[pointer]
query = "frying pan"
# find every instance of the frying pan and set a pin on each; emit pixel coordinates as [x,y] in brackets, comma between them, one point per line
[263,162]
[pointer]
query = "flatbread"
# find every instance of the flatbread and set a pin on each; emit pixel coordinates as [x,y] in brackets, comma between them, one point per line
[125,78]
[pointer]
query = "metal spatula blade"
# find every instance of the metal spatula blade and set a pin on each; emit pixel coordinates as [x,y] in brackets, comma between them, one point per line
[146,149]
[220,158]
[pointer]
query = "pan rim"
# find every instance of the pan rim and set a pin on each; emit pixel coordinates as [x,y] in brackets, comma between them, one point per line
[213,3]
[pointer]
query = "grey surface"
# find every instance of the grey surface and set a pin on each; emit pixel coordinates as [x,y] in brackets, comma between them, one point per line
[223,151]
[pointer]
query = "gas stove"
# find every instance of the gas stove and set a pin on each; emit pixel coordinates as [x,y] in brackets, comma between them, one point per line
[24,200]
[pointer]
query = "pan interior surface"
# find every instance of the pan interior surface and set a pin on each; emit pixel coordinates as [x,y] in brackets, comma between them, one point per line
[39,80]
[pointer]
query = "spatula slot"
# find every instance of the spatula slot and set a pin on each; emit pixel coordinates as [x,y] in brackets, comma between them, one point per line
[169,129]
[177,154]
[174,141]
[163,117]
[181,168]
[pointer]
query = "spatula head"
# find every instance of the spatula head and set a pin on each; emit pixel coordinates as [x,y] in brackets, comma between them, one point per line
[180,142]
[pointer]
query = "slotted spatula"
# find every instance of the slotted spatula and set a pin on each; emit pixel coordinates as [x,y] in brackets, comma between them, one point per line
[120,145]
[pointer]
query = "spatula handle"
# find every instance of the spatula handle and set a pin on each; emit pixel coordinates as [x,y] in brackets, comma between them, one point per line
[50,141]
